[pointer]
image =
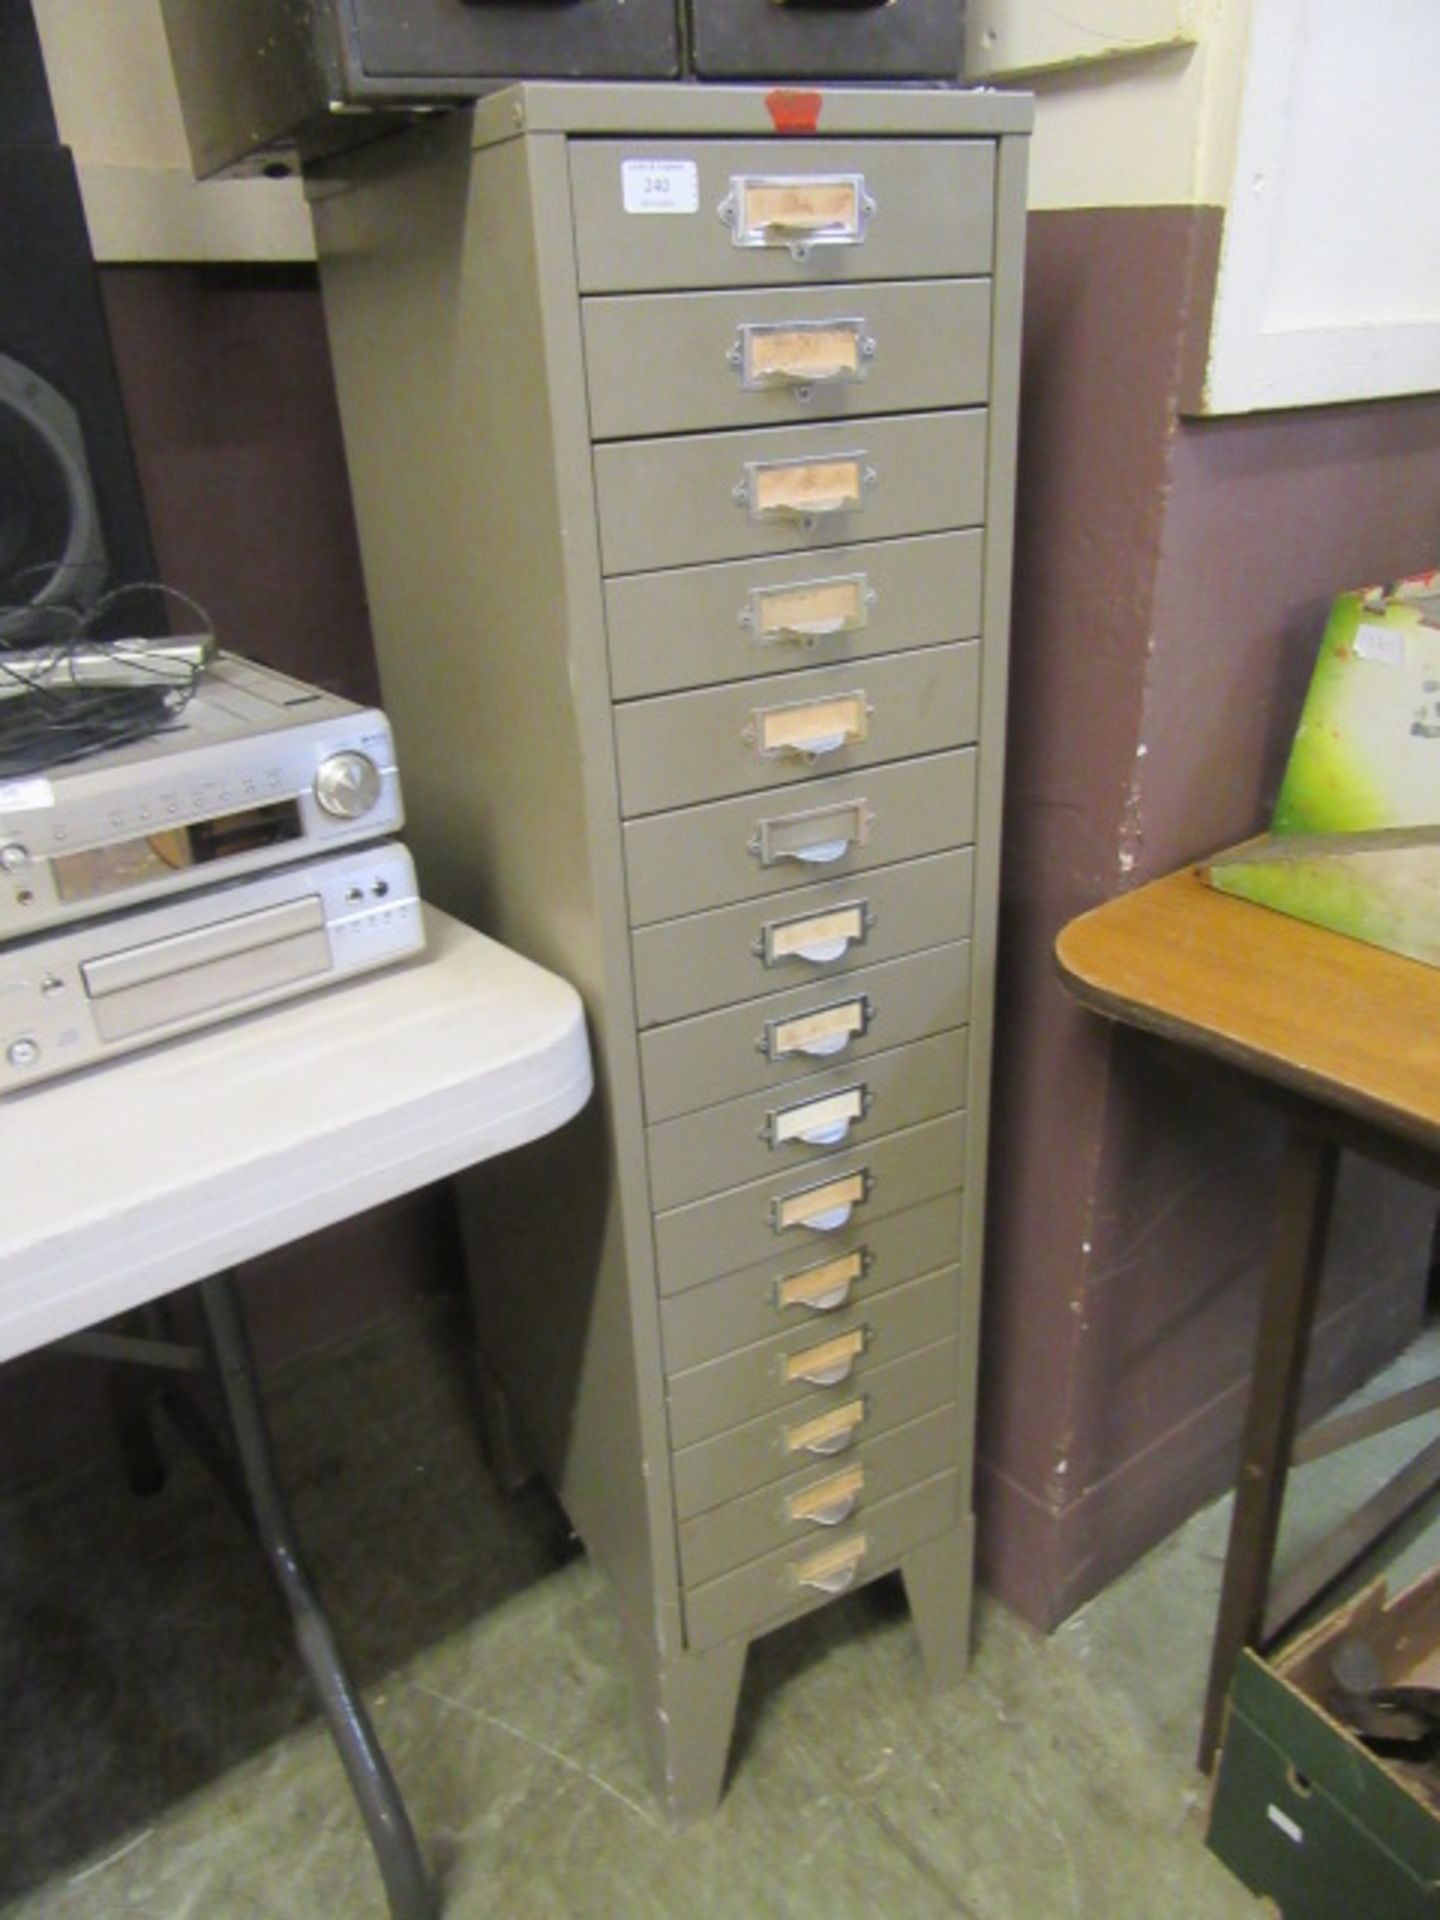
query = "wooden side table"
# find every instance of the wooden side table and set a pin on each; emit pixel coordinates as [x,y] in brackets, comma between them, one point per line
[1345,1040]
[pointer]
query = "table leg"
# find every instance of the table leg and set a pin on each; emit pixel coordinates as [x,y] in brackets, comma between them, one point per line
[1288,1295]
[374,1787]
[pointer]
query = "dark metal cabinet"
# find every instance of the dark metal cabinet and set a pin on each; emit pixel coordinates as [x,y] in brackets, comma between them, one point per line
[259,78]
[700,684]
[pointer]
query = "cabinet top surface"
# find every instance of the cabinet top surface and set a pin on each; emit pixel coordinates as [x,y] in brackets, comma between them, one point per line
[638,108]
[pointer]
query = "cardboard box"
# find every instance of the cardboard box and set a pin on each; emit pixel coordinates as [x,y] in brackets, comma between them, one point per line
[1303,1812]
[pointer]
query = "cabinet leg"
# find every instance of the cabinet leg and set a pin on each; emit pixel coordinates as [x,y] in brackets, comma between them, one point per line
[938,1579]
[504,1449]
[687,1707]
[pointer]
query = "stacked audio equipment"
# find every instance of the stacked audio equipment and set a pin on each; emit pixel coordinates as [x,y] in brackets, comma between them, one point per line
[238,856]
[683,452]
[72,526]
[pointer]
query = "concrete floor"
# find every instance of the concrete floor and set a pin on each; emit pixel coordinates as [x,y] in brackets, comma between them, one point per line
[161,1757]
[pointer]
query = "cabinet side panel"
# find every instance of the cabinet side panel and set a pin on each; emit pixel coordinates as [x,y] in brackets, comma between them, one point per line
[476,560]
[1009,267]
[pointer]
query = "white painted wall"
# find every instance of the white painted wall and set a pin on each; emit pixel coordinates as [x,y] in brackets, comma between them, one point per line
[1135,99]
[1323,112]
[1330,272]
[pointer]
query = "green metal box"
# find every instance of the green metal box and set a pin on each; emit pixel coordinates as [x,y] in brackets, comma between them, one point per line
[1303,1812]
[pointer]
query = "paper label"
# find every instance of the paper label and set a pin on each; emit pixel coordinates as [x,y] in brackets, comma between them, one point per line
[840,1352]
[794,1122]
[829,1433]
[833,1277]
[839,1488]
[796,729]
[26,796]
[814,352]
[660,186]
[792,1036]
[801,205]
[816,486]
[845,924]
[1383,644]
[797,1208]
[827,606]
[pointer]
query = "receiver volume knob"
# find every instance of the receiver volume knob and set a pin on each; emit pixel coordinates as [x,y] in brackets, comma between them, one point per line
[347,785]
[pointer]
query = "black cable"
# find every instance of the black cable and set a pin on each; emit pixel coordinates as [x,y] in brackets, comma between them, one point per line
[58,718]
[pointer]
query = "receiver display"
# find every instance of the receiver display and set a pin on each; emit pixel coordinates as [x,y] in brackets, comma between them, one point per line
[92,874]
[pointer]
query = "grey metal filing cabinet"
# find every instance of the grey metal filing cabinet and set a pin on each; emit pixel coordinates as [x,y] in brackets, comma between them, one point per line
[683,457]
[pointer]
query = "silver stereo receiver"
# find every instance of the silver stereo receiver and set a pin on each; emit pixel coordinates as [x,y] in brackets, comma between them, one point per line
[81,994]
[257,771]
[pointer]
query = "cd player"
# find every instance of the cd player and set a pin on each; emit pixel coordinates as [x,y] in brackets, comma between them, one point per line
[80,994]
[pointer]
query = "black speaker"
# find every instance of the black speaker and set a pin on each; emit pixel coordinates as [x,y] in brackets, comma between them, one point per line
[72,526]
[25,110]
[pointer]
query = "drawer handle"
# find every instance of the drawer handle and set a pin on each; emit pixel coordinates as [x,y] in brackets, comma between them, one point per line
[797,211]
[804,491]
[824,1288]
[800,354]
[819,1034]
[829,1503]
[817,938]
[817,1123]
[830,1220]
[829,1433]
[835,1569]
[809,728]
[817,837]
[822,1209]
[827,1365]
[808,611]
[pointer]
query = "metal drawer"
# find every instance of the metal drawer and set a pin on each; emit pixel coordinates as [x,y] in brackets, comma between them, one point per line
[422,41]
[794,1578]
[806,1293]
[724,1146]
[687,362]
[687,747]
[833,1360]
[770,1219]
[902,40]
[719,496]
[799,1510]
[763,1451]
[762,1044]
[933,212]
[698,626]
[815,933]
[682,862]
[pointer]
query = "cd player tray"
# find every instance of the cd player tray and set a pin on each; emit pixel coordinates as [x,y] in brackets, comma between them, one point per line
[210,967]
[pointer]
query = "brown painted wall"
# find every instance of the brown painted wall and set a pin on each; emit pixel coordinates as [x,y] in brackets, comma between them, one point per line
[226,379]
[1170,581]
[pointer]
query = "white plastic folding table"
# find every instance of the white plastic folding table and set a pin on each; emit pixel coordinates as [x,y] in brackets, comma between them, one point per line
[167,1168]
